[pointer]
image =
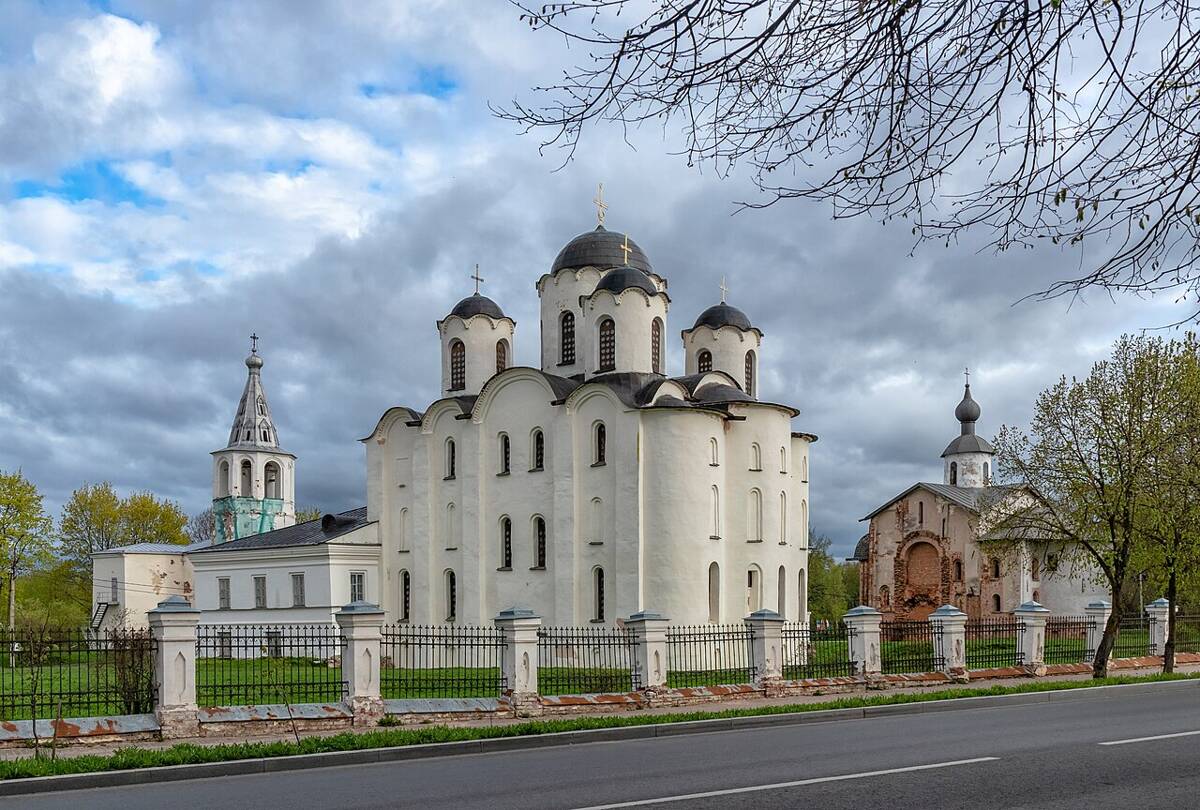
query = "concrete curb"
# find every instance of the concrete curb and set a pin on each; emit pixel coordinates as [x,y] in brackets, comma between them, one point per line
[172,773]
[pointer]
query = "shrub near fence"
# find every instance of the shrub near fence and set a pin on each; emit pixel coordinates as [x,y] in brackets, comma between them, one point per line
[1067,640]
[440,661]
[709,655]
[586,660]
[810,653]
[45,672]
[247,665]
[994,642]
[908,647]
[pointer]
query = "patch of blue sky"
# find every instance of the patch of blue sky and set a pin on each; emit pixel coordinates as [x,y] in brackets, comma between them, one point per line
[428,80]
[92,180]
[292,168]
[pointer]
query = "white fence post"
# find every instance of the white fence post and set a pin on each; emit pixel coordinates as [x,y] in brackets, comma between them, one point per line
[1032,618]
[1159,610]
[948,626]
[173,628]
[862,624]
[650,630]
[519,664]
[1098,612]
[766,630]
[361,625]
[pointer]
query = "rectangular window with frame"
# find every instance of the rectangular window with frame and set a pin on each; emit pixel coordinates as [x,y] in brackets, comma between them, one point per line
[112,590]
[223,593]
[260,592]
[358,586]
[297,590]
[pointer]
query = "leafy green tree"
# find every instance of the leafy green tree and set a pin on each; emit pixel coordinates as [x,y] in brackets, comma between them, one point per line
[308,513]
[90,522]
[148,519]
[827,597]
[53,594]
[24,533]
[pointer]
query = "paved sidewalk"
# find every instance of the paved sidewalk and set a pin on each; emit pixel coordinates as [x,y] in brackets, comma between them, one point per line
[79,749]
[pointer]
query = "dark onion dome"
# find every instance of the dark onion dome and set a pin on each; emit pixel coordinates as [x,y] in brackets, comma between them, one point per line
[967,413]
[719,392]
[723,315]
[968,409]
[622,278]
[600,248]
[477,305]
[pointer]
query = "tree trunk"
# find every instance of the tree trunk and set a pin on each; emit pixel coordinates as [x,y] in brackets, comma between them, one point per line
[1169,647]
[12,598]
[1100,662]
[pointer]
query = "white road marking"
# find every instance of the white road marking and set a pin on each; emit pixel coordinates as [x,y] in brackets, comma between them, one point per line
[1155,737]
[779,785]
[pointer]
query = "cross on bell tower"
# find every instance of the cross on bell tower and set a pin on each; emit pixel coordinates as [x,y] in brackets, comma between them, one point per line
[724,290]
[601,205]
[477,278]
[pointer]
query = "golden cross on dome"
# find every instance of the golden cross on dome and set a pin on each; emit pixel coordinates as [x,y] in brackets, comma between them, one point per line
[625,247]
[601,205]
[724,290]
[478,279]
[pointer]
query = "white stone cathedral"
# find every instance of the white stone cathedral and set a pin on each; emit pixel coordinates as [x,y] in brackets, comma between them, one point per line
[588,489]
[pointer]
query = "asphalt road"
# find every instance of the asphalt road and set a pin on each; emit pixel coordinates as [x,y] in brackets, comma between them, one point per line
[1034,756]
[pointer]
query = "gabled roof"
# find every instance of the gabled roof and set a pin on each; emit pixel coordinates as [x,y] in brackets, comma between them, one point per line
[310,533]
[151,548]
[972,498]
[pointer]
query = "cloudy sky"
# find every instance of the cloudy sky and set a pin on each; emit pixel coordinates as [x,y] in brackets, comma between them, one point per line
[174,176]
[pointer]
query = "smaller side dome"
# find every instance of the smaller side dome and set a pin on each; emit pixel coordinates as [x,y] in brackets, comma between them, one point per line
[719,392]
[723,315]
[477,304]
[622,278]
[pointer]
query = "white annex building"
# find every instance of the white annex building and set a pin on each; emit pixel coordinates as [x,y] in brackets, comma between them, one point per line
[587,489]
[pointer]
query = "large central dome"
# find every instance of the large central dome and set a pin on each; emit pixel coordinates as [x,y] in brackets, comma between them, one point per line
[600,248]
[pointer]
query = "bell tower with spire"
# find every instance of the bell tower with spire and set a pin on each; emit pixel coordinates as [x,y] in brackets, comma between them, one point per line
[254,482]
[968,459]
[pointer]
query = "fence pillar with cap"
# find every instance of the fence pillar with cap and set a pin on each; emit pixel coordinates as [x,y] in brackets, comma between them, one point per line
[862,624]
[766,647]
[173,628]
[361,626]
[650,631]
[1159,612]
[519,663]
[1097,613]
[1032,618]
[948,628]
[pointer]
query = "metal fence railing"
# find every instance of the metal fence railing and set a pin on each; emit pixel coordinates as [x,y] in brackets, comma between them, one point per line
[1187,634]
[1133,637]
[49,673]
[910,647]
[586,660]
[994,642]
[709,655]
[1067,640]
[816,652]
[250,664]
[440,661]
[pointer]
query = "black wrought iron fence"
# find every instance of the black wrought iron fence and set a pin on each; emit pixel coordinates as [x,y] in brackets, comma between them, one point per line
[994,642]
[586,660]
[252,664]
[816,652]
[1067,640]
[441,661]
[1133,637]
[47,673]
[1187,634]
[910,646]
[709,655]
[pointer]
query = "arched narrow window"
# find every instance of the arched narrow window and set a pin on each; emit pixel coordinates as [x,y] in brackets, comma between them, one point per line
[783,519]
[804,469]
[755,519]
[538,451]
[958,571]
[402,530]
[598,594]
[539,542]
[783,459]
[920,513]
[781,596]
[505,454]
[804,522]
[458,365]
[802,595]
[755,457]
[714,593]
[885,597]
[753,589]
[247,487]
[1035,569]
[566,342]
[405,596]
[995,603]
[656,330]
[600,444]
[750,373]
[451,529]
[714,452]
[597,527]
[608,345]
[505,543]
[451,462]
[451,596]
[987,474]
[271,478]
[995,568]
[704,361]
[223,483]
[953,473]
[501,355]
[716,513]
